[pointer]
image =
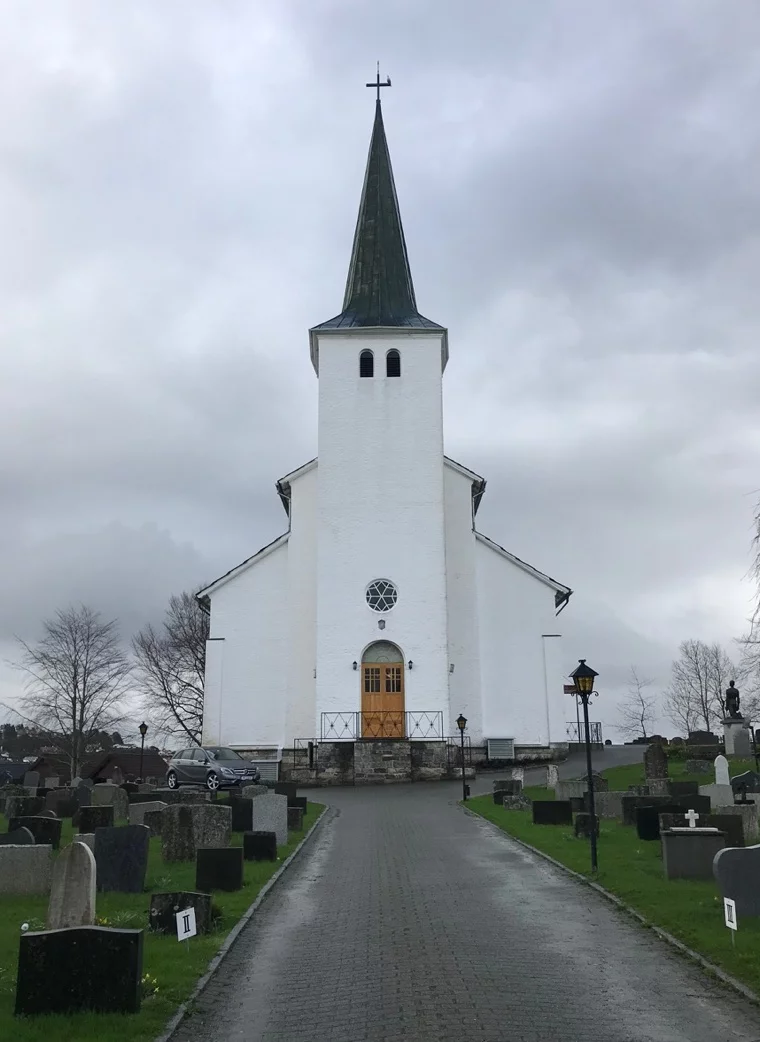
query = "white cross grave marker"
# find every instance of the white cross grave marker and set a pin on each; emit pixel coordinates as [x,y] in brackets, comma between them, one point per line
[692,818]
[186,924]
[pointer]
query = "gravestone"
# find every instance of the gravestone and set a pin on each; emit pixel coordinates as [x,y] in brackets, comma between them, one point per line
[552,776]
[249,792]
[121,855]
[270,814]
[498,797]
[683,788]
[63,802]
[25,869]
[83,968]
[19,838]
[111,795]
[520,802]
[31,779]
[655,763]
[702,738]
[186,827]
[302,802]
[72,891]
[583,825]
[52,781]
[518,774]
[731,824]
[23,806]
[648,820]
[46,814]
[164,907]
[152,820]
[701,804]
[242,814]
[552,812]
[742,743]
[688,853]
[719,795]
[749,781]
[117,776]
[289,789]
[295,818]
[750,816]
[219,868]
[578,804]
[639,790]
[509,787]
[137,811]
[607,805]
[83,793]
[737,872]
[88,838]
[44,830]
[260,846]
[171,796]
[91,818]
[722,777]
[698,767]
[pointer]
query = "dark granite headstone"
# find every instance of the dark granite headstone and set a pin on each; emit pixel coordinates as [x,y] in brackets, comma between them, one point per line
[260,846]
[731,824]
[242,814]
[299,801]
[702,738]
[18,838]
[164,908]
[130,788]
[91,818]
[749,781]
[83,793]
[289,789]
[46,814]
[577,804]
[44,830]
[583,825]
[152,820]
[498,797]
[655,762]
[509,787]
[690,854]
[82,968]
[121,856]
[648,819]
[25,806]
[295,818]
[701,804]
[683,788]
[737,872]
[218,868]
[552,812]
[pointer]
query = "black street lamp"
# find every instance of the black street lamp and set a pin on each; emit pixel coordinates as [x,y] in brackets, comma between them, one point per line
[583,676]
[143,729]
[461,724]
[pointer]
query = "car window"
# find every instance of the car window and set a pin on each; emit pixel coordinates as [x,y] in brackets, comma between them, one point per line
[183,754]
[200,755]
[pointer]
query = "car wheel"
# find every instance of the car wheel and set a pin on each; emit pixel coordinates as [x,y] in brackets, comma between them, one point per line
[212,781]
[172,780]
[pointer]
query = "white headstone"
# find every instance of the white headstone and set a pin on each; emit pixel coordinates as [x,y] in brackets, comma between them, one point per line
[518,774]
[721,771]
[552,776]
[73,890]
[270,814]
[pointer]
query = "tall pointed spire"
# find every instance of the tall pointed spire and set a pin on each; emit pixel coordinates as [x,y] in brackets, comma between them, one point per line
[379,288]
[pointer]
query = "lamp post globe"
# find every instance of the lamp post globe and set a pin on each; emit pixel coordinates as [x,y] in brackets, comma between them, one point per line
[461,724]
[583,677]
[143,729]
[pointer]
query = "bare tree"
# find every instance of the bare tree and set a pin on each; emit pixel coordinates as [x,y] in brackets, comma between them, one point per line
[637,710]
[171,663]
[698,681]
[76,679]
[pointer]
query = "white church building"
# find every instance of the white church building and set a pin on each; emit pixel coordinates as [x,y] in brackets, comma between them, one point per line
[382,613]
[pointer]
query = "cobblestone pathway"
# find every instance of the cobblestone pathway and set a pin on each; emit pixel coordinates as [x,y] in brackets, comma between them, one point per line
[409,919]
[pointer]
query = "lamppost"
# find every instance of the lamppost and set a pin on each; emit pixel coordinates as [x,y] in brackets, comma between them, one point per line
[461,724]
[583,677]
[143,731]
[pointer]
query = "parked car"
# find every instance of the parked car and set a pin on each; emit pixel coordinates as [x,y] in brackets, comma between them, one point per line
[213,766]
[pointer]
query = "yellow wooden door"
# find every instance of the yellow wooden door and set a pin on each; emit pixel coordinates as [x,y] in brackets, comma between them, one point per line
[382,700]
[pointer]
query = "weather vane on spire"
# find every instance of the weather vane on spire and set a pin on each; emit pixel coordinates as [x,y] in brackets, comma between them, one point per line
[377,82]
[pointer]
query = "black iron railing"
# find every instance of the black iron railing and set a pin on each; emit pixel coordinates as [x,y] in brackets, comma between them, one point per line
[339,727]
[304,752]
[454,751]
[575,732]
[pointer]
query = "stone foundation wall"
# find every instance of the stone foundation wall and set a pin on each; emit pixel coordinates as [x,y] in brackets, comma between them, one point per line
[382,762]
[368,763]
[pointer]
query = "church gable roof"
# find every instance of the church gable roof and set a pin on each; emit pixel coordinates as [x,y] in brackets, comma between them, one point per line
[562,593]
[204,596]
[379,288]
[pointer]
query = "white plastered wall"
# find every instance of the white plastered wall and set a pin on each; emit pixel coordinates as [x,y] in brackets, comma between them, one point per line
[301,715]
[245,704]
[381,515]
[462,596]
[514,610]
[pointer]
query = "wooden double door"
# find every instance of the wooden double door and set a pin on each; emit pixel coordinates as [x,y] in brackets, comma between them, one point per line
[382,713]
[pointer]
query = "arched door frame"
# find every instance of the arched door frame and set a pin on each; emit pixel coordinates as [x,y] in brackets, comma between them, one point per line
[382,696]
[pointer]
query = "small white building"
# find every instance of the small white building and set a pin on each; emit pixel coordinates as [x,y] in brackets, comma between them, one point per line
[382,612]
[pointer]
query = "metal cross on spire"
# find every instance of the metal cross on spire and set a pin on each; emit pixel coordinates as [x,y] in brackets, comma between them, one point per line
[377,82]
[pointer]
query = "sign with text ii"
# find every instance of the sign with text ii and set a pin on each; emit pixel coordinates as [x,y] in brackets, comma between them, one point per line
[186,924]
[729,909]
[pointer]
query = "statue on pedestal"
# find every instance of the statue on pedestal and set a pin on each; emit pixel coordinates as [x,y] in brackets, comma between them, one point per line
[732,701]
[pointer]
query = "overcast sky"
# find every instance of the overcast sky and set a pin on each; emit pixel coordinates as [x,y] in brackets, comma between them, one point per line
[579,187]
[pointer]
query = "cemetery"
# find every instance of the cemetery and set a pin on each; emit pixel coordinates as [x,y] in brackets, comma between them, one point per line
[91,901]
[672,843]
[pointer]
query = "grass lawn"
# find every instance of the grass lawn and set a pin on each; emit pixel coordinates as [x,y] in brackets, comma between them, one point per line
[175,968]
[632,869]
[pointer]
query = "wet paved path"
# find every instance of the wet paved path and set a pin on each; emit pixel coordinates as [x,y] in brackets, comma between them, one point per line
[406,918]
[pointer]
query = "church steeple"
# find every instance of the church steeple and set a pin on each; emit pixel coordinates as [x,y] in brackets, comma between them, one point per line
[379,288]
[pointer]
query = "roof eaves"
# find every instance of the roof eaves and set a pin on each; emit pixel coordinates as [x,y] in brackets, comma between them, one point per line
[203,596]
[558,587]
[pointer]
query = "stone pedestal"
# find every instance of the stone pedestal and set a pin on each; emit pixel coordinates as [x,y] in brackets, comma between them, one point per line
[689,853]
[737,736]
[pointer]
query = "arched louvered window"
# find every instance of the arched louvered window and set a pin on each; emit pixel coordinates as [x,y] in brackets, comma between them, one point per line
[366,364]
[393,364]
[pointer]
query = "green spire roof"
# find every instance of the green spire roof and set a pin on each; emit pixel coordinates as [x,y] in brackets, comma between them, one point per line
[379,289]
